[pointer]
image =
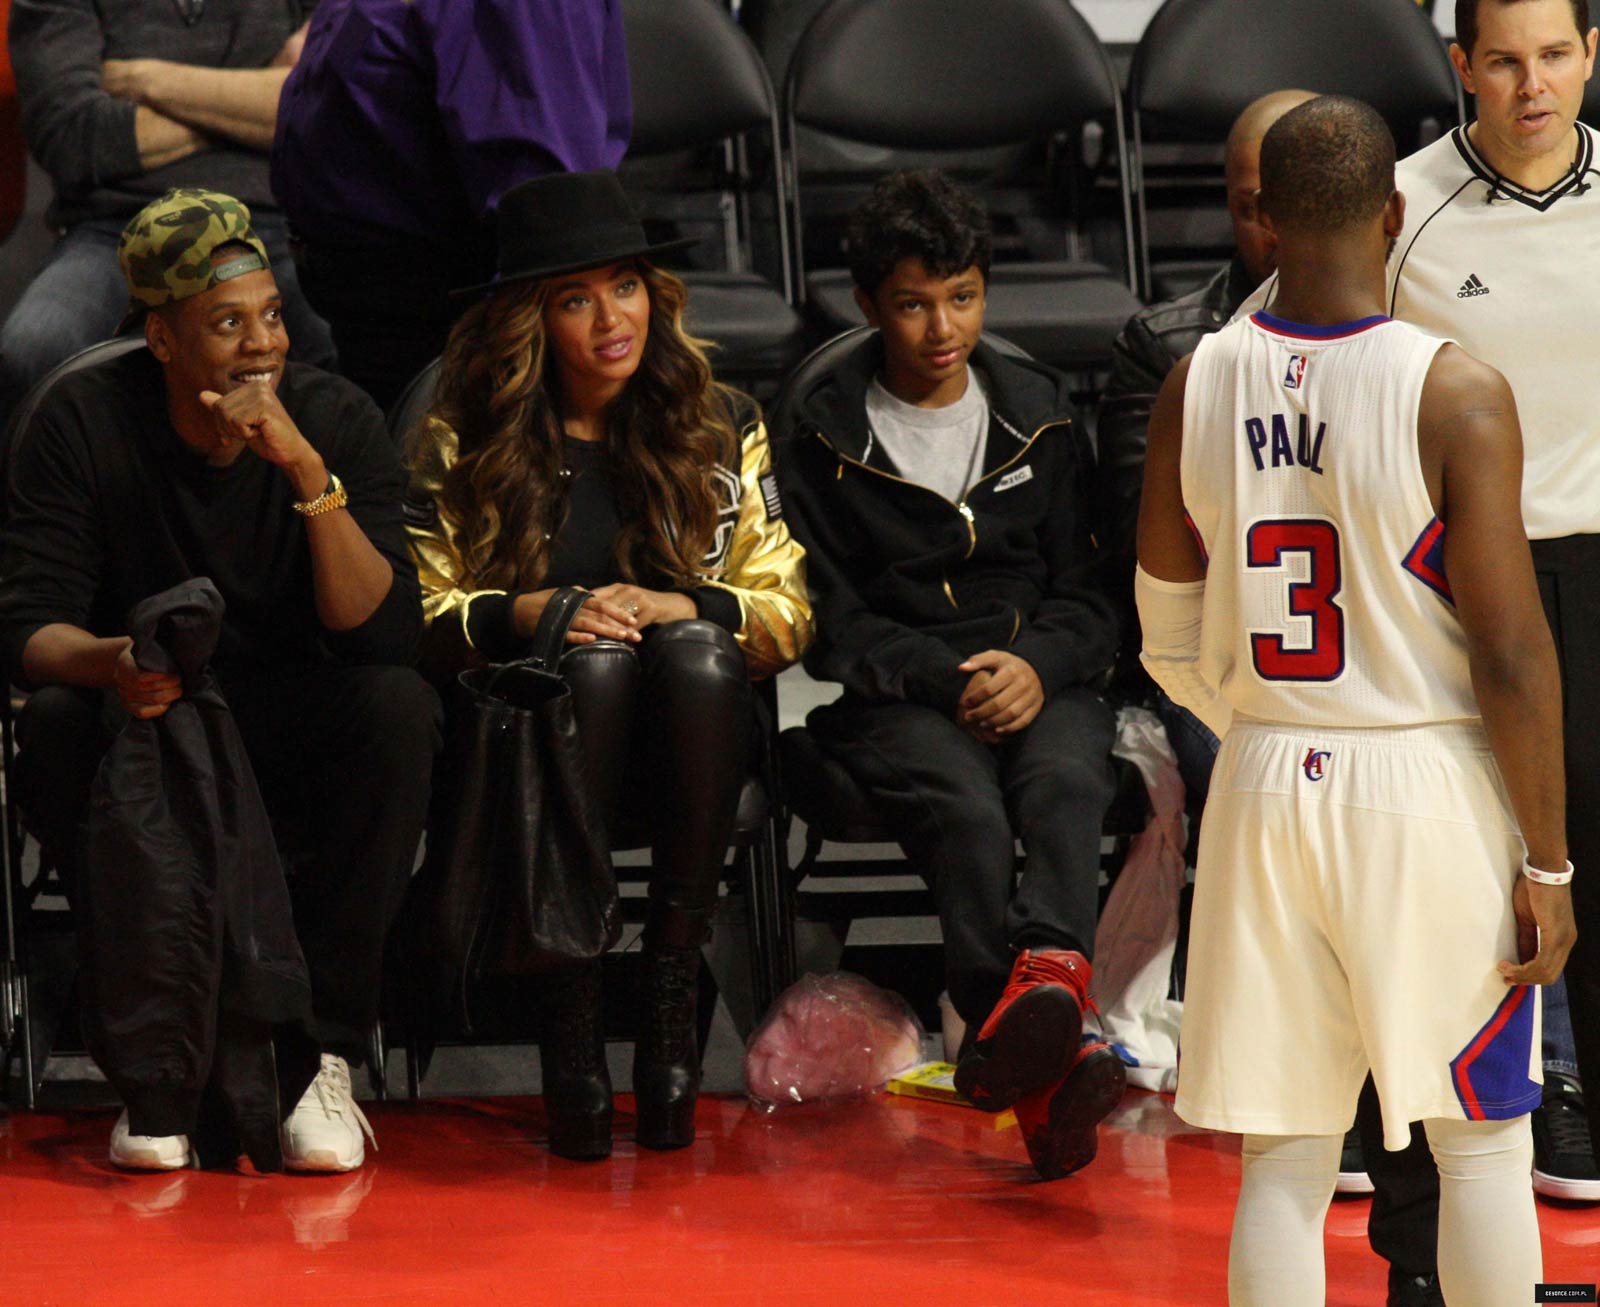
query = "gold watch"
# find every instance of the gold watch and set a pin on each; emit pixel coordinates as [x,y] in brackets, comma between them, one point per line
[335,496]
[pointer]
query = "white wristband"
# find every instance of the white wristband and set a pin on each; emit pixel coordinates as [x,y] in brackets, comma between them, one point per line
[1542,877]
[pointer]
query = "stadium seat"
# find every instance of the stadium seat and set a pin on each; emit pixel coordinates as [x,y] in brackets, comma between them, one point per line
[1200,62]
[40,956]
[1027,77]
[701,100]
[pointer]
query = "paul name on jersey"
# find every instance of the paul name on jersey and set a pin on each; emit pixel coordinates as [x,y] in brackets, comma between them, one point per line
[1305,450]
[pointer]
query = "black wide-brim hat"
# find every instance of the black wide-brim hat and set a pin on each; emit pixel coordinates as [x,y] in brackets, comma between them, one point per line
[566,222]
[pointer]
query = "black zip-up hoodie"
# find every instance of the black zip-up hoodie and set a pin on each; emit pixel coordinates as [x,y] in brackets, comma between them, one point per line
[907,585]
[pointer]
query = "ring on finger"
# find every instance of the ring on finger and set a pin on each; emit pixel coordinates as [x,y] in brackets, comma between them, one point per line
[631,607]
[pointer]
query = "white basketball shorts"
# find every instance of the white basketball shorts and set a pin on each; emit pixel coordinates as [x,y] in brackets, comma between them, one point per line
[1352,900]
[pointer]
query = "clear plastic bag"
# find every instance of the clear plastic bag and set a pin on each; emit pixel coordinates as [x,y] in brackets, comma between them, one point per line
[829,1039]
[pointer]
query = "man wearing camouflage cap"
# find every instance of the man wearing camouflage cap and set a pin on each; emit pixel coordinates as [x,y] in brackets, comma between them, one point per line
[206,454]
[165,251]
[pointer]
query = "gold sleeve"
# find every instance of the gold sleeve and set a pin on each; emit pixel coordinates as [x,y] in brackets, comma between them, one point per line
[765,569]
[433,544]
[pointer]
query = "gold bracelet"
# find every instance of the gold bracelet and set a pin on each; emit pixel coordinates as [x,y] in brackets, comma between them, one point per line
[335,496]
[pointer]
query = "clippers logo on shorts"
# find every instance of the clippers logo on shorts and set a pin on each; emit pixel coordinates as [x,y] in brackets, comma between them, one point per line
[1315,763]
[1294,377]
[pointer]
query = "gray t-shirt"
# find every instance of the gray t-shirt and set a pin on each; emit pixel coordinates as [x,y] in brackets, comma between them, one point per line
[940,448]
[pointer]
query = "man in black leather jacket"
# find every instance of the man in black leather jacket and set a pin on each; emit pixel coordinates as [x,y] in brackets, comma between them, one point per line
[1153,340]
[1405,1210]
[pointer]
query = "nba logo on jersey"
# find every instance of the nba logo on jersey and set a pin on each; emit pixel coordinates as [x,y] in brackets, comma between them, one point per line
[1315,763]
[1296,372]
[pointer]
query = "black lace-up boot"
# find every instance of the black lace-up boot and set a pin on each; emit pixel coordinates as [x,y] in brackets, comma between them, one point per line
[666,1060]
[572,1057]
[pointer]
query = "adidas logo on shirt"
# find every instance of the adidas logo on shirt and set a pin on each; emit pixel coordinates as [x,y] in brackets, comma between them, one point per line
[1470,287]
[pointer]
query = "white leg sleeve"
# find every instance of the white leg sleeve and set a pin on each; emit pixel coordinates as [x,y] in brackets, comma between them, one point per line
[1275,1259]
[1489,1252]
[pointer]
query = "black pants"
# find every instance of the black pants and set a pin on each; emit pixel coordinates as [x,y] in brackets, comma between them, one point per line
[1403,1225]
[957,807]
[390,311]
[344,758]
[667,730]
[1568,570]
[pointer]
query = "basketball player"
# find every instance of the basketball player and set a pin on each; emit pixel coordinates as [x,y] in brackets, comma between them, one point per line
[1333,570]
[1502,253]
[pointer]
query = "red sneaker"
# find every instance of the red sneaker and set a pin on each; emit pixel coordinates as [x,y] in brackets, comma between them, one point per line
[1030,1039]
[1060,1124]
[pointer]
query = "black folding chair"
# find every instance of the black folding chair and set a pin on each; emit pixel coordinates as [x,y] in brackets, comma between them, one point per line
[944,79]
[705,155]
[40,958]
[1201,62]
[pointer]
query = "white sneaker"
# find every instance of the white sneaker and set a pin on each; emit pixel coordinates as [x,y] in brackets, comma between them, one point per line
[147,1152]
[324,1132]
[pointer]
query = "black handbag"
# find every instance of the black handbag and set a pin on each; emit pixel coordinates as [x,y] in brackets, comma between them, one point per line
[518,878]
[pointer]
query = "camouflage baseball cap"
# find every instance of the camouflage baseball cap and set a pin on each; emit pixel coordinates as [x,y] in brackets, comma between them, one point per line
[165,251]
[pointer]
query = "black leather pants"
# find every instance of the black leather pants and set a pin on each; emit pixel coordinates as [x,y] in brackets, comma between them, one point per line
[667,728]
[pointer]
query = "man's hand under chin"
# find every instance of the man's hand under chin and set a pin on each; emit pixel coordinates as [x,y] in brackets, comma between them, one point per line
[253,416]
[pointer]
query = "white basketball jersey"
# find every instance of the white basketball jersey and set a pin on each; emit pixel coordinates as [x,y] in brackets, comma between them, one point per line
[1326,602]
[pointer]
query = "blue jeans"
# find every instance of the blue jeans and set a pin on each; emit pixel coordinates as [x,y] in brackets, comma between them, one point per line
[79,298]
[1560,1051]
[1193,743]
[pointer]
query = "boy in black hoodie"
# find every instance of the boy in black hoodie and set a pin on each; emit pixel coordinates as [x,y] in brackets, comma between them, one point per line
[941,490]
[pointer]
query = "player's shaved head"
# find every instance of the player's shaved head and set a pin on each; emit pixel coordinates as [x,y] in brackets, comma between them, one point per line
[1326,166]
[1244,138]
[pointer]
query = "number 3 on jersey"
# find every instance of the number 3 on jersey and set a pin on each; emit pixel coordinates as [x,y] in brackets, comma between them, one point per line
[1312,590]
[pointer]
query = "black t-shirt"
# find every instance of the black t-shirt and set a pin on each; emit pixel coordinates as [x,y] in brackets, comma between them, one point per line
[583,553]
[584,550]
[106,506]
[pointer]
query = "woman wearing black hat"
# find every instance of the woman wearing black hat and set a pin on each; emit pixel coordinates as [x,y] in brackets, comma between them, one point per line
[577,438]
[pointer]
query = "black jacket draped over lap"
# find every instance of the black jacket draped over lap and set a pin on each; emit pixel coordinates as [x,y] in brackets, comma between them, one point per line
[191,964]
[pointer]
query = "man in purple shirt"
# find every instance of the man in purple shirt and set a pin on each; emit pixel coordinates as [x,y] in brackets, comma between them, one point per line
[398,131]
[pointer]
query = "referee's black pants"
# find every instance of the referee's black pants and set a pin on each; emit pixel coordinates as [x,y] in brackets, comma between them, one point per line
[957,808]
[344,759]
[1568,570]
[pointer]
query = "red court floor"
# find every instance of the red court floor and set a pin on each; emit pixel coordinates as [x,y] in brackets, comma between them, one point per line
[891,1202]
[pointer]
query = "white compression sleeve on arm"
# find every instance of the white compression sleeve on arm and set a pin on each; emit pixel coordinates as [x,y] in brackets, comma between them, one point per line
[1169,614]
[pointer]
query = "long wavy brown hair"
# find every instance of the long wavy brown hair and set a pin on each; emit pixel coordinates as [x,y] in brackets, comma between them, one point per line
[665,432]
